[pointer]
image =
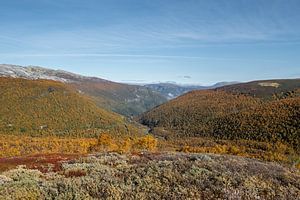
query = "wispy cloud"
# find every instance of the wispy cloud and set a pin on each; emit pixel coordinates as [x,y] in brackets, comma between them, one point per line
[181,24]
[149,56]
[184,77]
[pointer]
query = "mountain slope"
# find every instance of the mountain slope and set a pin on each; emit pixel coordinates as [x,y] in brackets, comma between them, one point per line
[46,107]
[223,115]
[121,98]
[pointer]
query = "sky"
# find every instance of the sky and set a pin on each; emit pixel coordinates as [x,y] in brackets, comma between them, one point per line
[145,41]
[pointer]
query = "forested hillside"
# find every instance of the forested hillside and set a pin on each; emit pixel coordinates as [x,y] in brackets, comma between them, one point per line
[45,107]
[223,115]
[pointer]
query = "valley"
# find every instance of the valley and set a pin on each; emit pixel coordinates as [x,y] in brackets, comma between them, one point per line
[67,127]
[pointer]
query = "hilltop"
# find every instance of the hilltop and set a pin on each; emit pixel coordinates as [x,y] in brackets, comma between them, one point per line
[266,89]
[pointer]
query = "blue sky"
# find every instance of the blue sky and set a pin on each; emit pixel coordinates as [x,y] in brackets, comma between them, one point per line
[190,41]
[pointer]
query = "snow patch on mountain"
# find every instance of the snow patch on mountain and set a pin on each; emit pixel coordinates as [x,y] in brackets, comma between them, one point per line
[35,72]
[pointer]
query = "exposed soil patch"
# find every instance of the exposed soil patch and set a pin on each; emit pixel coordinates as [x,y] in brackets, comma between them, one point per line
[42,162]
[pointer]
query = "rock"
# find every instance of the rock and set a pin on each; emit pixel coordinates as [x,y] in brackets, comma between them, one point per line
[4,179]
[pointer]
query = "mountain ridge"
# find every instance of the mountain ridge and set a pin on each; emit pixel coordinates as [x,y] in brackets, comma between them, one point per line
[124,99]
[38,72]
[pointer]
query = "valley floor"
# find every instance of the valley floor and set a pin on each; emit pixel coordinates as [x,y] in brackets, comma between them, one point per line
[148,176]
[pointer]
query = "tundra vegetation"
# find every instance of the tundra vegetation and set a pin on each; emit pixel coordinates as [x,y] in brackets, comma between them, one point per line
[154,176]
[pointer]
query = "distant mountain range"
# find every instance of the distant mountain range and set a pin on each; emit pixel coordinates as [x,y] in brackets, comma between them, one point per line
[172,90]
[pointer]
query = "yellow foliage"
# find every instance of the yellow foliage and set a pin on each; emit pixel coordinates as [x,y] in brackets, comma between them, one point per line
[126,146]
[279,152]
[220,149]
[147,142]
[281,147]
[11,145]
[234,150]
[106,142]
[186,149]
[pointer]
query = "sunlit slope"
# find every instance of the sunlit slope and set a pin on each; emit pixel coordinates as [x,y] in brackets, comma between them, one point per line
[223,115]
[45,107]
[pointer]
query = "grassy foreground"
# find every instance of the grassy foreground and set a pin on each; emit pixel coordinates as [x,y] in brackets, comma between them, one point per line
[154,176]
